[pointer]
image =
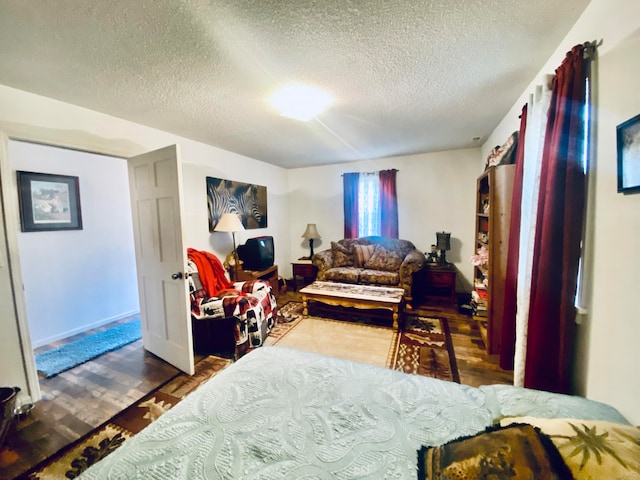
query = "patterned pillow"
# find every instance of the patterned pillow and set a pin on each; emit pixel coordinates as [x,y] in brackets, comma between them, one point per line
[513,452]
[592,448]
[361,254]
[383,259]
[342,256]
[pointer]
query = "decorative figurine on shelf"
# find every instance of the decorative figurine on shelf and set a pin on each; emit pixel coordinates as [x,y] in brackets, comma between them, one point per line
[432,256]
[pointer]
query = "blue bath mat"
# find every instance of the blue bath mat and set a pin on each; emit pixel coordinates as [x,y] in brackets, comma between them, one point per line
[58,360]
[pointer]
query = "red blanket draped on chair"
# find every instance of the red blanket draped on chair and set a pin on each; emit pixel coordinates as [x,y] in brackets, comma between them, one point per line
[212,273]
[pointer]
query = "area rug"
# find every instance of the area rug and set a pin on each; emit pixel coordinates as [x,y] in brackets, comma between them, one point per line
[423,347]
[351,341]
[71,461]
[67,356]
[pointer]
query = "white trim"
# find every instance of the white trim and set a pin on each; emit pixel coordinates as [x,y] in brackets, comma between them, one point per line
[9,190]
[84,328]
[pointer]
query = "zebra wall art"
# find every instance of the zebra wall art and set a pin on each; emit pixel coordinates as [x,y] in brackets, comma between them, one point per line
[248,201]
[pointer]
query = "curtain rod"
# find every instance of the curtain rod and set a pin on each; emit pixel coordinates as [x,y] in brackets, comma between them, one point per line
[590,48]
[371,173]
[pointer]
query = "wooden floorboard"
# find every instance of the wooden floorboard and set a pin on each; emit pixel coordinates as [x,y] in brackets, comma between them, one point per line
[78,400]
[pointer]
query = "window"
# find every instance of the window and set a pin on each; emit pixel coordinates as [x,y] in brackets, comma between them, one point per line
[369,204]
[581,300]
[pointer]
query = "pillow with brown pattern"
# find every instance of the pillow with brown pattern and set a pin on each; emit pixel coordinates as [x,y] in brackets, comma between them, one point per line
[383,259]
[342,256]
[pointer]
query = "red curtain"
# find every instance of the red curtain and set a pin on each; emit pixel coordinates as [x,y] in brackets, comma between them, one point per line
[350,199]
[388,204]
[508,343]
[556,254]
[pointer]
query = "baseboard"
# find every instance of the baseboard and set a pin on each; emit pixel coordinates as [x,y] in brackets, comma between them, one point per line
[83,328]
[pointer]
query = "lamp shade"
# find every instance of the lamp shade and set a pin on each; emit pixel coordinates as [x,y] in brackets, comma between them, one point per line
[229,222]
[311,231]
[444,240]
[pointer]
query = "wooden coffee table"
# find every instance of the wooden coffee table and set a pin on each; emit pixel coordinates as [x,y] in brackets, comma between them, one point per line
[357,296]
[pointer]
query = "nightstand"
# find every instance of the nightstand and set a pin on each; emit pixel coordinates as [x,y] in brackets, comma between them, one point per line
[435,282]
[304,269]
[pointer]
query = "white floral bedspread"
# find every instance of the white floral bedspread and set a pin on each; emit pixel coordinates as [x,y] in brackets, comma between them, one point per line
[279,414]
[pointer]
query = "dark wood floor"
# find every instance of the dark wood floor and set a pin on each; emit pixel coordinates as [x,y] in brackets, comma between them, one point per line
[78,400]
[475,365]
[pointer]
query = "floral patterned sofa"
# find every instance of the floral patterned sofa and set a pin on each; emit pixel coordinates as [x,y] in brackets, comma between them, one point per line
[377,261]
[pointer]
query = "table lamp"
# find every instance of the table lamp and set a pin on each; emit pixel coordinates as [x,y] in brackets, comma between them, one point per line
[311,233]
[443,244]
[230,222]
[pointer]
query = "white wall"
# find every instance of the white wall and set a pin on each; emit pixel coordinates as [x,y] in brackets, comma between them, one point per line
[40,119]
[436,192]
[75,280]
[609,334]
[222,164]
[606,20]
[614,336]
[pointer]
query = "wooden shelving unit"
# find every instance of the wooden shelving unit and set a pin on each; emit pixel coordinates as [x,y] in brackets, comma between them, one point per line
[493,214]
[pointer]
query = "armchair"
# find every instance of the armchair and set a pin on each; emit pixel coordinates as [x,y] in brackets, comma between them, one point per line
[234,318]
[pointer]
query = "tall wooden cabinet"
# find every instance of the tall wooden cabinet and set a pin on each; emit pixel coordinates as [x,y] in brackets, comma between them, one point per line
[493,213]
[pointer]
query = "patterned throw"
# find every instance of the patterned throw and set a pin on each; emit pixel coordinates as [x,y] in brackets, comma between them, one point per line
[516,452]
[423,347]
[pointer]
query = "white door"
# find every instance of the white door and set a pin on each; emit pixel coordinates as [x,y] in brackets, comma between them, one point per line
[156,203]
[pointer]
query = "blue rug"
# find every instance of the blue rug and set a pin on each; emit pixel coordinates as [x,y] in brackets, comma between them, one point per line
[58,360]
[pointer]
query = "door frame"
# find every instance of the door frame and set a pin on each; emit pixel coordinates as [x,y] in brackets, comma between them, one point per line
[9,191]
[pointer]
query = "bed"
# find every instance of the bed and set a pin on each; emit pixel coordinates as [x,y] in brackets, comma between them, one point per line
[280,413]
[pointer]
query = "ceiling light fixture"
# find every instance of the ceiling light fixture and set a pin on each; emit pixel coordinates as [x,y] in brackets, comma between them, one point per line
[301,102]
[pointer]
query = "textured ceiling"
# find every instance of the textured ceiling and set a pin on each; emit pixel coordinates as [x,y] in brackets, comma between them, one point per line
[409,76]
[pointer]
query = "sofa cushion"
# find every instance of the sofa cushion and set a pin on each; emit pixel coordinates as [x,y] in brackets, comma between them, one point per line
[343,274]
[342,255]
[402,247]
[383,259]
[379,277]
[362,253]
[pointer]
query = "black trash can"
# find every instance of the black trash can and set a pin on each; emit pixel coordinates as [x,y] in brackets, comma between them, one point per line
[8,396]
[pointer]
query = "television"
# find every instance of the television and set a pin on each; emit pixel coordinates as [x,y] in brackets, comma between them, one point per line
[256,253]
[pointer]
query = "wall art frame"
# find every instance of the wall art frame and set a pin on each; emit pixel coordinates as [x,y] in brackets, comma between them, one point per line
[248,201]
[49,202]
[628,141]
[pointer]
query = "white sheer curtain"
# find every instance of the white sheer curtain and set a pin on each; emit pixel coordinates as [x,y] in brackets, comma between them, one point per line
[369,201]
[533,144]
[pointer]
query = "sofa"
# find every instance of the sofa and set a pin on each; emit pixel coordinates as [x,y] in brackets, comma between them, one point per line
[377,261]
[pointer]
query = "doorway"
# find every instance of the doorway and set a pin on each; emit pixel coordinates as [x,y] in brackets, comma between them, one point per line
[77,280]
[178,327]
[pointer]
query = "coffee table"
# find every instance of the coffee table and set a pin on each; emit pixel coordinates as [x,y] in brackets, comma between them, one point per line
[357,296]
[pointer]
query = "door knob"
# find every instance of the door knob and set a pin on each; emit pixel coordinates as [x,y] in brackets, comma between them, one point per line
[177,275]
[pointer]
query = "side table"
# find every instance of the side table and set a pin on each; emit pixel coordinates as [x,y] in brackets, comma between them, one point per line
[304,269]
[270,274]
[436,282]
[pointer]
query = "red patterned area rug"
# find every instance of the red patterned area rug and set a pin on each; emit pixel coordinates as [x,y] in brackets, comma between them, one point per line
[423,346]
[71,461]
